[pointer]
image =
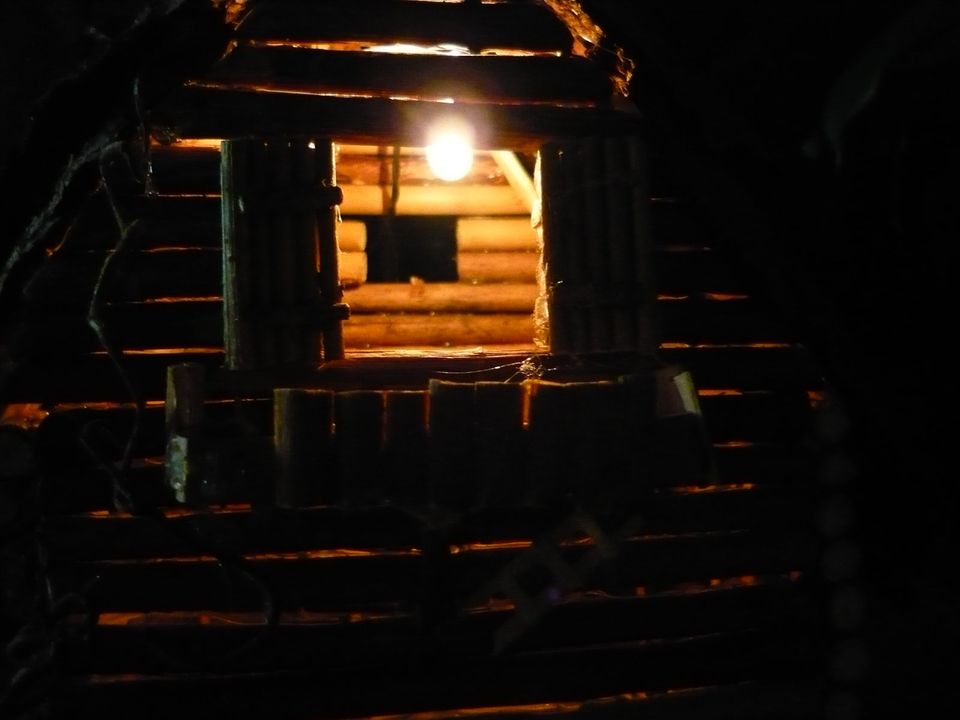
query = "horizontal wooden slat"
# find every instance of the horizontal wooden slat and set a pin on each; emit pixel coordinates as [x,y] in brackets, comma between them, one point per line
[758,417]
[69,277]
[473,25]
[425,77]
[322,580]
[269,529]
[498,267]
[447,199]
[185,170]
[442,297]
[163,222]
[126,648]
[439,330]
[478,234]
[93,377]
[198,112]
[793,696]
[753,365]
[376,168]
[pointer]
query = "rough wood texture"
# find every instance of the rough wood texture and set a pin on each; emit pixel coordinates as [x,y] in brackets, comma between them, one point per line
[186,473]
[442,298]
[352,235]
[359,423]
[279,216]
[198,112]
[452,421]
[303,447]
[498,267]
[352,268]
[600,287]
[561,80]
[473,25]
[479,234]
[438,330]
[446,199]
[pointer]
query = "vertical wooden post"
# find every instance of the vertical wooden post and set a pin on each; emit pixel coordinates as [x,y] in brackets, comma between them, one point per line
[358,418]
[331,291]
[500,456]
[279,213]
[303,447]
[600,290]
[184,462]
[405,445]
[452,443]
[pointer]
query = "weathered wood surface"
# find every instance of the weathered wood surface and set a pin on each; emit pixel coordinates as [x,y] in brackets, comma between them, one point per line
[544,79]
[522,679]
[199,112]
[94,378]
[125,648]
[445,199]
[442,297]
[342,580]
[369,165]
[303,446]
[439,330]
[475,26]
[195,272]
[84,487]
[478,234]
[498,267]
[265,529]
[791,699]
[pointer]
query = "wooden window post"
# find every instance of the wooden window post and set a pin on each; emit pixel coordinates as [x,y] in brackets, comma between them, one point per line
[281,287]
[597,275]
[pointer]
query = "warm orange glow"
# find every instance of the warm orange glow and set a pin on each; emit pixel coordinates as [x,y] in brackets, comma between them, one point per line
[816,398]
[24,415]
[182,195]
[168,351]
[402,48]
[181,299]
[719,392]
[724,346]
[449,148]
[735,444]
[486,546]
[189,144]
[722,297]
[104,405]
[318,554]
[710,489]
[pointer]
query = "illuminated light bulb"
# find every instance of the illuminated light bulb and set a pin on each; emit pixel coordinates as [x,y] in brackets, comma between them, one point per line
[450,149]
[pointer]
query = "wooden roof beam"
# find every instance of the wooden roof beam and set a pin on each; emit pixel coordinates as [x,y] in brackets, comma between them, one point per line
[476,27]
[200,112]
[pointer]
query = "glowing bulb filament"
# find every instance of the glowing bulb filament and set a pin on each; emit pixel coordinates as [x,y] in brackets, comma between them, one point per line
[450,149]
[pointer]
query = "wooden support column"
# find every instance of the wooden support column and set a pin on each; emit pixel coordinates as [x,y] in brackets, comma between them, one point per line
[281,285]
[599,285]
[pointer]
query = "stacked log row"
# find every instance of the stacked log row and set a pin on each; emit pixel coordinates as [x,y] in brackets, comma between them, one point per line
[490,303]
[597,245]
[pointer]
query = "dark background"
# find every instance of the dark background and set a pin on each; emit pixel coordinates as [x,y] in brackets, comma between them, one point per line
[819,140]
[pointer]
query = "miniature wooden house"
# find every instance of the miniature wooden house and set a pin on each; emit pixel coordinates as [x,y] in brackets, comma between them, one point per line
[350,440]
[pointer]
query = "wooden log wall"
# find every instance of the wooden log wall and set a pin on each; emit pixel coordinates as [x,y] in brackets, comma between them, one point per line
[695,598]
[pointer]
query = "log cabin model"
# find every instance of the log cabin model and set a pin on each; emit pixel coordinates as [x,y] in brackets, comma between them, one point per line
[317,426]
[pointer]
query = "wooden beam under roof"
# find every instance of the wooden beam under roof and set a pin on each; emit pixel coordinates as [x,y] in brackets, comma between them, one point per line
[199,112]
[474,26]
[571,80]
